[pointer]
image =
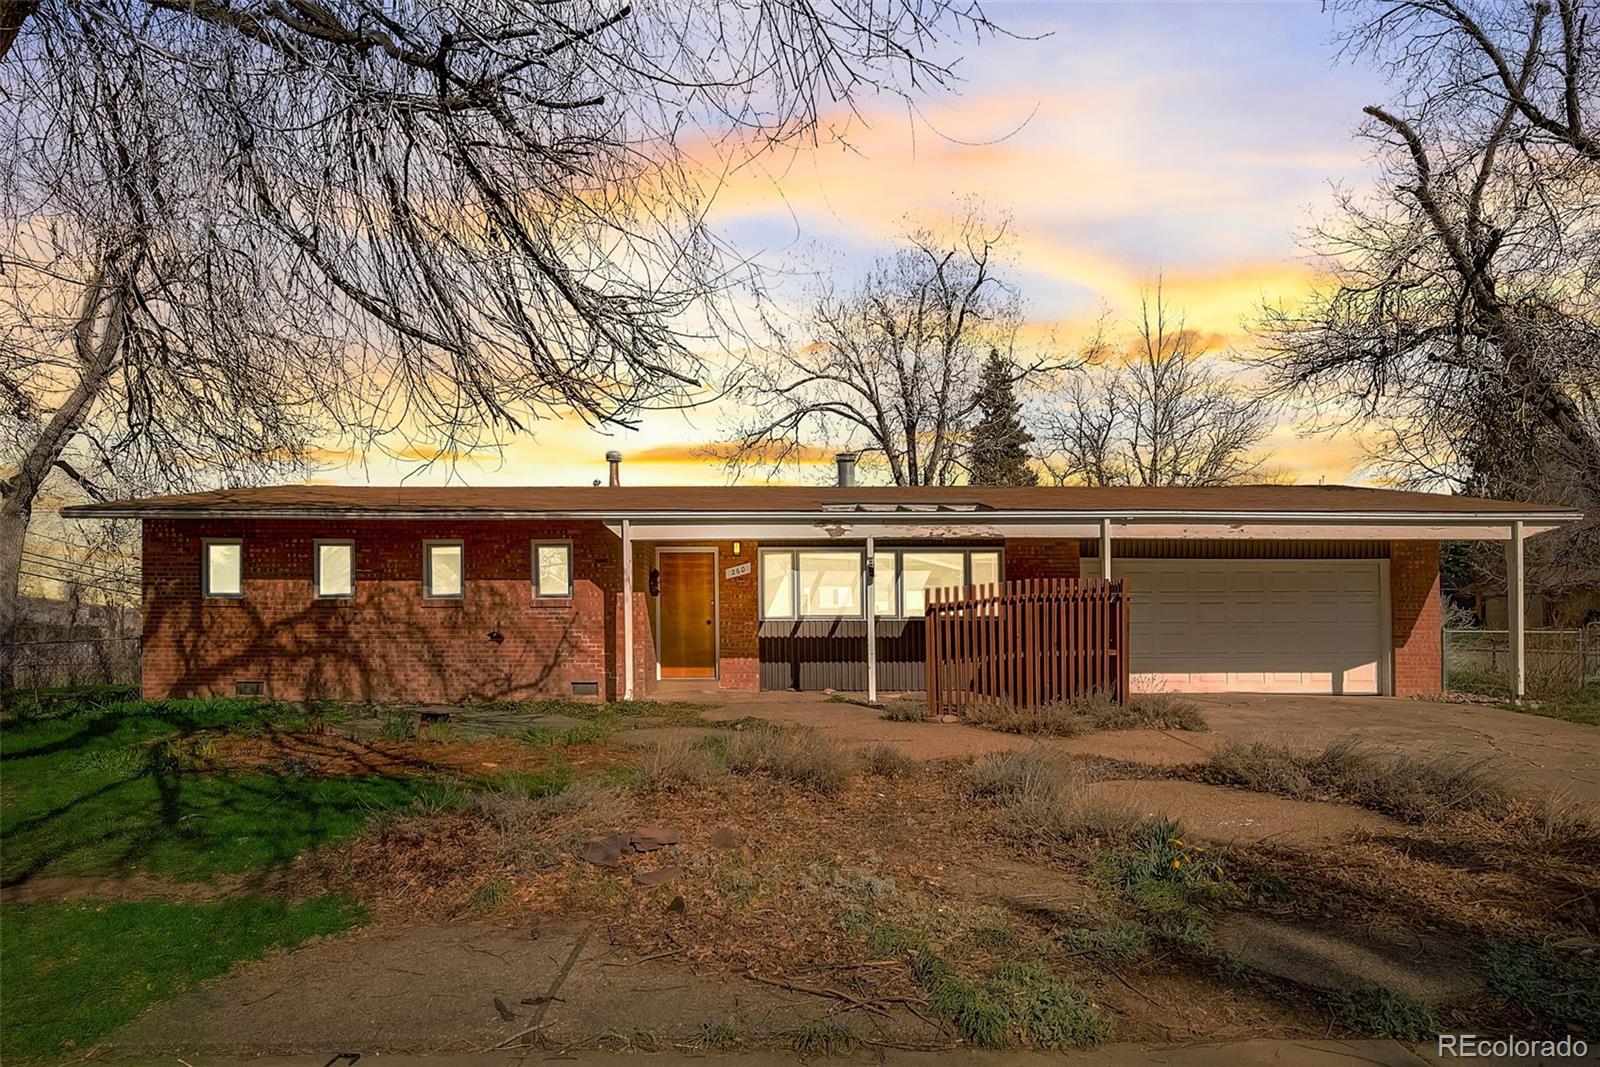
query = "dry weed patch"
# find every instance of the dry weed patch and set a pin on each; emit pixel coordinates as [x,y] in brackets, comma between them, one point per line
[1097,711]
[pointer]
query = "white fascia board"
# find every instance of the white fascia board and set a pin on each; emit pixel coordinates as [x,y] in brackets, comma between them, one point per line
[1147,523]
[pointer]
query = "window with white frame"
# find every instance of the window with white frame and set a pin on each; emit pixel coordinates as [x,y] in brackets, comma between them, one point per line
[885,584]
[552,569]
[442,570]
[811,583]
[222,568]
[335,569]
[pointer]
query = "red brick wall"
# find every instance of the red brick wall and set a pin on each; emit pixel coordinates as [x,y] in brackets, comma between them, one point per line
[386,643]
[1041,557]
[1416,611]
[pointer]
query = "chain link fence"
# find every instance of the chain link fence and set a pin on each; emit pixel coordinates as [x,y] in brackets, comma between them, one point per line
[50,662]
[1557,661]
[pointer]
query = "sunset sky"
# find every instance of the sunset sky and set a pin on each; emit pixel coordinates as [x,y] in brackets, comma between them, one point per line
[1190,141]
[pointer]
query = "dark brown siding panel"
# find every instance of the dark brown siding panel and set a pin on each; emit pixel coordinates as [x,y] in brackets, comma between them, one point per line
[818,654]
[1215,548]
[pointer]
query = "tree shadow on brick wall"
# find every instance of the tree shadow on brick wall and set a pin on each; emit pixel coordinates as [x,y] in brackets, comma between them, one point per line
[380,650]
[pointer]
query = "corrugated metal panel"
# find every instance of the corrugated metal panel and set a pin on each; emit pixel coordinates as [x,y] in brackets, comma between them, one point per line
[1201,548]
[817,654]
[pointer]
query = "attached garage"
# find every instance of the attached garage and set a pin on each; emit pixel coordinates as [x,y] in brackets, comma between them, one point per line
[1258,626]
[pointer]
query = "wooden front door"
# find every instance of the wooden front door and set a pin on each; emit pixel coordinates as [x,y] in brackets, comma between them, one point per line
[688,610]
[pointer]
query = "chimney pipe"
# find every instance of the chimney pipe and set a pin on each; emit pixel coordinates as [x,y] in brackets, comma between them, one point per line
[614,458]
[847,468]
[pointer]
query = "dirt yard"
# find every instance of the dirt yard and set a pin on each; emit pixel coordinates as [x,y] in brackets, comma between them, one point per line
[865,885]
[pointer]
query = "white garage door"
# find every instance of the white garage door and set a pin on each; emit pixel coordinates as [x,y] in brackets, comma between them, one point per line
[1261,626]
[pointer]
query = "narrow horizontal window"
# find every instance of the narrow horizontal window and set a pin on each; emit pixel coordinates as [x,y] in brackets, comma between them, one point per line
[222,569]
[552,569]
[442,570]
[336,565]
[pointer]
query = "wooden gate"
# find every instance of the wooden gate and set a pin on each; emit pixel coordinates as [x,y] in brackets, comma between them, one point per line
[1027,643]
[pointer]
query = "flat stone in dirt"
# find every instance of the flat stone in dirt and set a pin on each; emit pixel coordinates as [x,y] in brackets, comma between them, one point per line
[659,876]
[1421,967]
[726,837]
[1218,813]
[650,838]
[431,988]
[605,851]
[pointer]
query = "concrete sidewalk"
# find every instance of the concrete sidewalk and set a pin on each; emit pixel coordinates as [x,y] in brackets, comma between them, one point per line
[1229,1054]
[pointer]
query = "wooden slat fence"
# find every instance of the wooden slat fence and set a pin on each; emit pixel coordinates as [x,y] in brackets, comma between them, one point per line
[1026,643]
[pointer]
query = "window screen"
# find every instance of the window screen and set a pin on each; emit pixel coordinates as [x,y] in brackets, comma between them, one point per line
[442,569]
[223,570]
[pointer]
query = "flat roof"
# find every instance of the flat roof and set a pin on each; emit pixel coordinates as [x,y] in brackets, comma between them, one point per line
[1302,502]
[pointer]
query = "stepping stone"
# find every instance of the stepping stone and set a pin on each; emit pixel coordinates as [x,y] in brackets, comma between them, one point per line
[650,838]
[1421,967]
[659,876]
[726,837]
[605,851]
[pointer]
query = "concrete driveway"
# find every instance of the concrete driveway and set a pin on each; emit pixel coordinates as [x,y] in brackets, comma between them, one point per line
[1530,751]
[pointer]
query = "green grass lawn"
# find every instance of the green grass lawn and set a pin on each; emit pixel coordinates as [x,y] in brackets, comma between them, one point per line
[103,787]
[72,973]
[1580,705]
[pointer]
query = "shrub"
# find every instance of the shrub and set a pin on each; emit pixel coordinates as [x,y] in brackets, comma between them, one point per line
[823,1039]
[1154,711]
[1546,985]
[903,710]
[803,757]
[1094,711]
[538,830]
[491,894]
[1169,879]
[1050,720]
[673,765]
[1041,798]
[1412,788]
[1019,1002]
[585,733]
[1385,1013]
[886,761]
[1118,939]
[399,725]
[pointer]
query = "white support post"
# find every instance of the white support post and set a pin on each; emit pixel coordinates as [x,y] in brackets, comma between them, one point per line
[872,626]
[1105,549]
[1516,612]
[627,610]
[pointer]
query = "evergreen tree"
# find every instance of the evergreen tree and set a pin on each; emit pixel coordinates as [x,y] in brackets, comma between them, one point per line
[999,448]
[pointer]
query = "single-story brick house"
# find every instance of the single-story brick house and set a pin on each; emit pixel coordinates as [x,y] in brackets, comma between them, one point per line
[447,594]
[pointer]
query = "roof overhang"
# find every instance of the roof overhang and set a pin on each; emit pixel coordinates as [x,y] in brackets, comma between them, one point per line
[1352,527]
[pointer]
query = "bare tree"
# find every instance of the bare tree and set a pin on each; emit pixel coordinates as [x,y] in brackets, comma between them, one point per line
[1462,309]
[1462,314]
[1157,415]
[889,367]
[235,227]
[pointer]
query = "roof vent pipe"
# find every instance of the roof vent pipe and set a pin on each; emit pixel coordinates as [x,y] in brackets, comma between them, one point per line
[847,468]
[614,458]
